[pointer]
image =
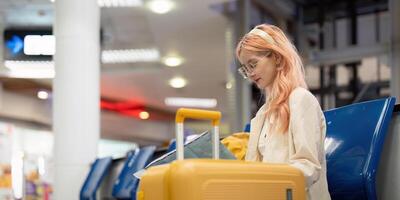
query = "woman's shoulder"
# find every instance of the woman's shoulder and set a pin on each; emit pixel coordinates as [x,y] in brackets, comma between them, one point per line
[262,109]
[302,96]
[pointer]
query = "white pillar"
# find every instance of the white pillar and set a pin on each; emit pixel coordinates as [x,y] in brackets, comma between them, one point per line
[240,94]
[395,48]
[76,93]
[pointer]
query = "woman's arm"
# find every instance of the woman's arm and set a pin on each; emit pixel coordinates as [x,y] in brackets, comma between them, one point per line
[306,132]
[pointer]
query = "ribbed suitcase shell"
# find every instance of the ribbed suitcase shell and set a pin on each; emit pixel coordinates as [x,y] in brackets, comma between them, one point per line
[202,179]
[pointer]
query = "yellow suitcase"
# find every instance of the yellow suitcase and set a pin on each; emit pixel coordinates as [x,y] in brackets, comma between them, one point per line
[207,179]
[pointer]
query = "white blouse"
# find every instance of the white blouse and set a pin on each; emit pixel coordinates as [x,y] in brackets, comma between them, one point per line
[261,140]
[302,146]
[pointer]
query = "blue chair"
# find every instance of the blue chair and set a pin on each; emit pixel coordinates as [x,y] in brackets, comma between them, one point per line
[247,128]
[172,145]
[126,184]
[354,140]
[96,175]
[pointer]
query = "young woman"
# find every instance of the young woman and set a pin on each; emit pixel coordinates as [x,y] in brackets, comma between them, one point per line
[290,127]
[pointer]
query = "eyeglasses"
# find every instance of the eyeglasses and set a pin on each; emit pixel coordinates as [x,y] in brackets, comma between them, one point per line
[246,69]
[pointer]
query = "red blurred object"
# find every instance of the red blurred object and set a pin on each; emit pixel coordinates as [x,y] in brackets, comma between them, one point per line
[134,108]
[128,108]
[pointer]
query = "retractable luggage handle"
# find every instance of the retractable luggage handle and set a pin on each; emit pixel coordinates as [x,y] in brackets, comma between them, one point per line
[183,113]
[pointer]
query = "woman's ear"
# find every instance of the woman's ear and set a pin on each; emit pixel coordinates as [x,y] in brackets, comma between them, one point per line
[278,59]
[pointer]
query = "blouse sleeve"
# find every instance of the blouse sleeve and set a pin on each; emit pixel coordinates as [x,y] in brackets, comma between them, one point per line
[307,134]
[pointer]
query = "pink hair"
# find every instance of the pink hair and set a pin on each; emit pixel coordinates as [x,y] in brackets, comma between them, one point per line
[288,78]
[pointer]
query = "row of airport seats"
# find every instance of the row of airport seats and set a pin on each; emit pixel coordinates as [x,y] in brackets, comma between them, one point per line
[354,142]
[103,173]
[110,178]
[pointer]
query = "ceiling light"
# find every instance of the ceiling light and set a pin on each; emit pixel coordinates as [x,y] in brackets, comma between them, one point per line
[120,3]
[161,6]
[190,102]
[177,82]
[144,115]
[117,3]
[42,95]
[30,69]
[45,69]
[130,55]
[173,61]
[228,85]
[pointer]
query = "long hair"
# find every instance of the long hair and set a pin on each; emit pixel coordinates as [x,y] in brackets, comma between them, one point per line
[287,79]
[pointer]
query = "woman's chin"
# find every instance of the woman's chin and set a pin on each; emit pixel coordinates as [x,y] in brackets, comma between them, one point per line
[260,84]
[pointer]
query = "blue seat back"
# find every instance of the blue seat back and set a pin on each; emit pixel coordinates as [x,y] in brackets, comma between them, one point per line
[247,128]
[354,140]
[126,184]
[96,174]
[172,145]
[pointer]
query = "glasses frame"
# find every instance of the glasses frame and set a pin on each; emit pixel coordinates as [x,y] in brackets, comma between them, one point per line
[246,69]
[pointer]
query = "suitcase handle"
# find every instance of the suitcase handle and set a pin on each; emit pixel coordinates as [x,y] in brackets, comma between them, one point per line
[184,113]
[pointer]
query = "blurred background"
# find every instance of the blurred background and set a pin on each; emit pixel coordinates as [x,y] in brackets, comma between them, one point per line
[154,56]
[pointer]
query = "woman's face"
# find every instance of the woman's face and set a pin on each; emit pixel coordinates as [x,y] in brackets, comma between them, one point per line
[264,71]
